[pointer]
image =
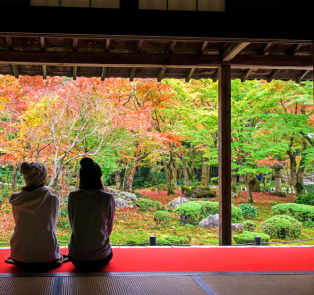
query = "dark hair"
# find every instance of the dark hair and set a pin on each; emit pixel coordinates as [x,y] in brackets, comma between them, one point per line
[31,188]
[94,184]
[90,175]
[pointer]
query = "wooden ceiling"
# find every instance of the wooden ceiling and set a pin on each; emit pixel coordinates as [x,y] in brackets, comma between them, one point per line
[147,57]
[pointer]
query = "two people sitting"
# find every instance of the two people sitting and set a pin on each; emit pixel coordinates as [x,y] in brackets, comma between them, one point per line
[91,211]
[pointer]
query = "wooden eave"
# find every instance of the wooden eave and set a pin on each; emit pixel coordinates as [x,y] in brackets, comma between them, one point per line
[153,57]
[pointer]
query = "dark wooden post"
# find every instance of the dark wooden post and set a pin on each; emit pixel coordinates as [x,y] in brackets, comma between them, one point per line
[224,106]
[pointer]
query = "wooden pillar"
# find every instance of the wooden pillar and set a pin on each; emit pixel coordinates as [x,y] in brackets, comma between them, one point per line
[224,106]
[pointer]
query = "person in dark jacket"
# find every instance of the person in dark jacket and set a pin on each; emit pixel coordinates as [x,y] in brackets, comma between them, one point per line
[34,243]
[91,213]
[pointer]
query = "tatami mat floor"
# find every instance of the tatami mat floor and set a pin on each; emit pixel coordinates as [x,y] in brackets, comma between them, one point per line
[160,284]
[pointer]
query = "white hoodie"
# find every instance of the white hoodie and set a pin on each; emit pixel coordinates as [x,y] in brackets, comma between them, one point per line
[35,214]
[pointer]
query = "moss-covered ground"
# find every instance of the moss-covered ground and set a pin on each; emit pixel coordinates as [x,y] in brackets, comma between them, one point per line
[133,226]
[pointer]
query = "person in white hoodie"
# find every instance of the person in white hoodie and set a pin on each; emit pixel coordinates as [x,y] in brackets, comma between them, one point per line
[34,243]
[91,214]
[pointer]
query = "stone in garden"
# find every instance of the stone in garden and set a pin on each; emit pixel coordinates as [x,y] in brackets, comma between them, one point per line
[237,226]
[127,195]
[213,221]
[279,194]
[174,204]
[122,203]
[210,221]
[198,192]
[122,199]
[234,195]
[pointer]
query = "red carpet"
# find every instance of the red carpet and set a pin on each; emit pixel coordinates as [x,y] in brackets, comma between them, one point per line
[196,259]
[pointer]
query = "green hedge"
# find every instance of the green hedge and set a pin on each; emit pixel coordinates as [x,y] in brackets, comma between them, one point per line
[301,213]
[282,226]
[196,211]
[249,226]
[248,237]
[161,217]
[145,204]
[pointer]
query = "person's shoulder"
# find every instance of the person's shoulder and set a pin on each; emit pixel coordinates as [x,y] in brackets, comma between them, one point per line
[77,191]
[106,194]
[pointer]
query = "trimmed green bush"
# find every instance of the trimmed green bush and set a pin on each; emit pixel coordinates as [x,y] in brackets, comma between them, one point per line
[196,211]
[306,199]
[248,211]
[173,240]
[198,192]
[301,213]
[161,217]
[145,205]
[282,226]
[249,226]
[248,237]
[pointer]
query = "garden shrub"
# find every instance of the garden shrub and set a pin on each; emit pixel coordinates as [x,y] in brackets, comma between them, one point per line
[196,211]
[145,205]
[63,222]
[248,237]
[161,217]
[249,226]
[63,212]
[173,240]
[139,195]
[306,199]
[198,192]
[282,226]
[301,213]
[5,193]
[248,211]
[308,224]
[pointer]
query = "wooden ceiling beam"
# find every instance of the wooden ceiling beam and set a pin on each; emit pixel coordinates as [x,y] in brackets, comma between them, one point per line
[108,41]
[74,72]
[231,50]
[161,74]
[296,48]
[139,46]
[246,74]
[103,73]
[75,44]
[101,59]
[266,47]
[42,43]
[301,76]
[216,74]
[202,48]
[273,75]
[44,72]
[9,42]
[15,71]
[172,46]
[132,74]
[189,75]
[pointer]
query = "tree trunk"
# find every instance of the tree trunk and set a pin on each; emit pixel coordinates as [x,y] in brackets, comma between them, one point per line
[174,174]
[249,192]
[118,179]
[234,180]
[14,177]
[129,176]
[130,172]
[205,175]
[168,174]
[297,175]
[185,172]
